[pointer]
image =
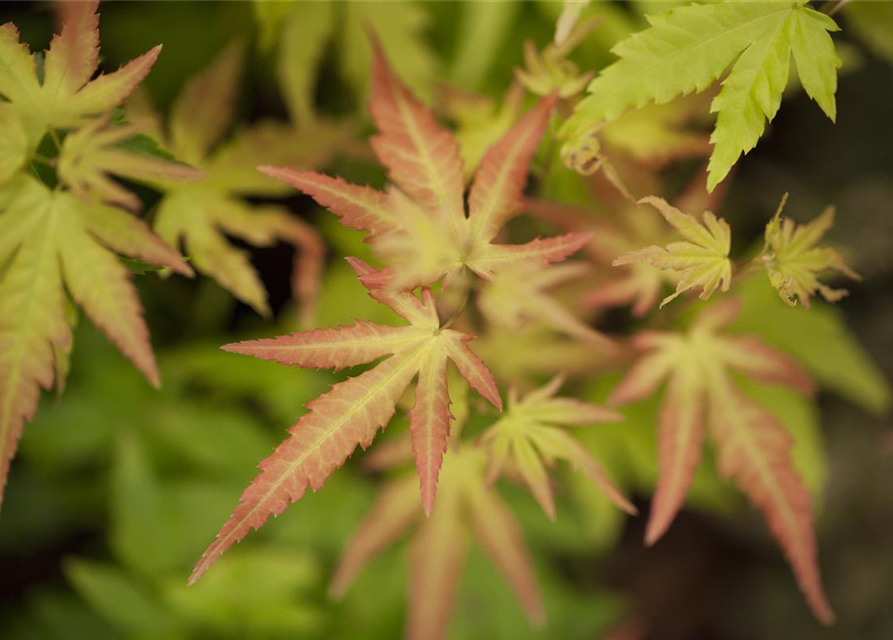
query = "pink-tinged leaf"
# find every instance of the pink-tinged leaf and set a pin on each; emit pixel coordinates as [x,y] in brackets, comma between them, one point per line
[403,302]
[204,109]
[100,284]
[336,348]
[74,53]
[754,448]
[471,367]
[436,559]
[32,327]
[539,251]
[680,439]
[361,208]
[429,423]
[128,235]
[643,379]
[756,359]
[422,158]
[108,91]
[348,415]
[499,534]
[394,511]
[496,194]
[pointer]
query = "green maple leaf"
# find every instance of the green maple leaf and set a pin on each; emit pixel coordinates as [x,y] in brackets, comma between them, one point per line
[688,48]
[201,214]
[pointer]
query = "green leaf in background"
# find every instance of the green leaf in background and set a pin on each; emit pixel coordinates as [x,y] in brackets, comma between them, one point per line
[820,339]
[305,31]
[873,23]
[120,599]
[483,27]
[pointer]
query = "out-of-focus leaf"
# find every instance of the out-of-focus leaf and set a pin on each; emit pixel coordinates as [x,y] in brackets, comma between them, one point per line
[120,599]
[819,338]
[482,29]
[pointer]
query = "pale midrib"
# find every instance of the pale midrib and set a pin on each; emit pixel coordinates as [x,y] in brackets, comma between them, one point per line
[718,388]
[482,216]
[274,488]
[350,344]
[428,162]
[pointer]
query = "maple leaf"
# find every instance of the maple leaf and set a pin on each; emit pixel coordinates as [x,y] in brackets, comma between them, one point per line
[420,226]
[440,545]
[94,150]
[529,438]
[201,214]
[517,295]
[353,411]
[702,259]
[50,238]
[794,262]
[687,48]
[67,95]
[753,446]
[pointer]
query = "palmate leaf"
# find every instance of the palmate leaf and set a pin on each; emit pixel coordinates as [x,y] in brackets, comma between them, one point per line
[202,213]
[529,437]
[69,93]
[688,48]
[753,446]
[702,259]
[794,262]
[353,411]
[50,238]
[517,296]
[440,544]
[420,227]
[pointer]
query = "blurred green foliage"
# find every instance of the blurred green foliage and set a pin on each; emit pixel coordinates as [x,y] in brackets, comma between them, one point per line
[118,487]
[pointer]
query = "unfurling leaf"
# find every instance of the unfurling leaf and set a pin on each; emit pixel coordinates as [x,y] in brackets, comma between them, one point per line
[687,48]
[529,438]
[353,411]
[794,262]
[753,446]
[420,227]
[702,259]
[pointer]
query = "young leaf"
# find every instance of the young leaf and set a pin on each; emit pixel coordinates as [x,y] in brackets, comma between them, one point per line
[688,48]
[440,545]
[702,259]
[95,150]
[516,296]
[421,228]
[201,214]
[752,444]
[50,239]
[794,262]
[353,411]
[529,437]
[68,94]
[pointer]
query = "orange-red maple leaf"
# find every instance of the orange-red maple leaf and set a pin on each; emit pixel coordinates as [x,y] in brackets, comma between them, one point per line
[354,410]
[752,444]
[419,225]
